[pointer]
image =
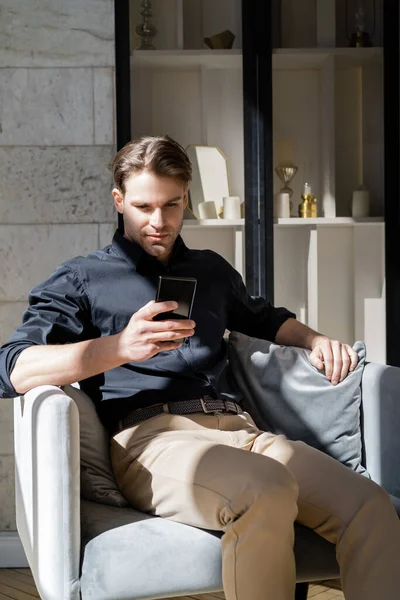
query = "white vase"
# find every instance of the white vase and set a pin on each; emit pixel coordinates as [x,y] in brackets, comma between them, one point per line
[282,205]
[360,204]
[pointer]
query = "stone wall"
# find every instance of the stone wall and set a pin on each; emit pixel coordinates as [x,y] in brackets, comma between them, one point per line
[57,139]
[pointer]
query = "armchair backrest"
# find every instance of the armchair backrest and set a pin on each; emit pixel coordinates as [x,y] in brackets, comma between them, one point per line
[380,416]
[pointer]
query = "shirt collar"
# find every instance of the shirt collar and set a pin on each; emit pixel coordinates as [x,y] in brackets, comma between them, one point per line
[134,253]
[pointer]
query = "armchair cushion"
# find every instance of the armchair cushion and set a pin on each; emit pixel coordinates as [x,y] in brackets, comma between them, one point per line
[127,554]
[97,478]
[285,393]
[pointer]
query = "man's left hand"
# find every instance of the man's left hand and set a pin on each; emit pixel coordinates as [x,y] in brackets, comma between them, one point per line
[336,358]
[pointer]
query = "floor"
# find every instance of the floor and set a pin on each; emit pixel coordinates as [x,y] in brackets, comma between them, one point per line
[18,584]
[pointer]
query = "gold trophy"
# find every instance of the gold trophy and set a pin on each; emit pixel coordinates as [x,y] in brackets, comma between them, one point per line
[286,172]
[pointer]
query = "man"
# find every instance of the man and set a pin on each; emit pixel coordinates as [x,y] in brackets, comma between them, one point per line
[177,450]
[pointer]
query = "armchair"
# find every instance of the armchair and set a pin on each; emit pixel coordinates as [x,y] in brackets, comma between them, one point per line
[82,549]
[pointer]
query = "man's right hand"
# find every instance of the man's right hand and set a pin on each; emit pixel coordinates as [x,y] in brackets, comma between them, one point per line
[143,338]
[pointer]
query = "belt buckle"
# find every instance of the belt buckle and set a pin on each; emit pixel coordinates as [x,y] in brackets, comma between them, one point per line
[208,410]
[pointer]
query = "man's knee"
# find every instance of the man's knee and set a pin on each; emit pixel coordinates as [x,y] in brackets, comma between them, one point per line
[266,483]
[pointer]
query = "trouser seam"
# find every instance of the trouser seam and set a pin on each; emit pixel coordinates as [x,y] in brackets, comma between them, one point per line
[235,560]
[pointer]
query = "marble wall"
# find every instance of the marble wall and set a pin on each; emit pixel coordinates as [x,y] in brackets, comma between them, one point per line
[57,140]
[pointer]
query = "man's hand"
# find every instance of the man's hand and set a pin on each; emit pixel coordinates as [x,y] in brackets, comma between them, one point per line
[337,358]
[143,338]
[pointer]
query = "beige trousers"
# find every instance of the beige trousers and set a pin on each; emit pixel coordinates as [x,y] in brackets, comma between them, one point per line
[218,471]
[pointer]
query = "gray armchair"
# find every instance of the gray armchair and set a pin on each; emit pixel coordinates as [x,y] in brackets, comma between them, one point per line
[82,549]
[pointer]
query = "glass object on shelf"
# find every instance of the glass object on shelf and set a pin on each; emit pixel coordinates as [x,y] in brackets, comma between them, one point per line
[145,30]
[360,202]
[286,172]
[308,208]
[360,14]
[210,181]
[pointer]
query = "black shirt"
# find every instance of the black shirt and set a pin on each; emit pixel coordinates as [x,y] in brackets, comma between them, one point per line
[93,296]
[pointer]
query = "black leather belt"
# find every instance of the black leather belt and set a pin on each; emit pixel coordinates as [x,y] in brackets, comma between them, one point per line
[206,404]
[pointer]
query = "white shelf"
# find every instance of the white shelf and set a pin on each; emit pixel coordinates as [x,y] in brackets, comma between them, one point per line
[297,221]
[186,59]
[314,58]
[292,222]
[282,58]
[195,224]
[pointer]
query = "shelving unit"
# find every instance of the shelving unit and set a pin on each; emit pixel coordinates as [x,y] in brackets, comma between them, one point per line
[331,274]
[327,120]
[225,236]
[195,95]
[214,223]
[321,221]
[187,59]
[282,58]
[314,58]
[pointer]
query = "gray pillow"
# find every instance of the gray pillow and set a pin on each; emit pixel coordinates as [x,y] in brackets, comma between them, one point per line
[285,393]
[97,478]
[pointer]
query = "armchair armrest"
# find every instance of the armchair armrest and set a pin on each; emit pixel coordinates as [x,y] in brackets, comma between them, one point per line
[47,463]
[381,424]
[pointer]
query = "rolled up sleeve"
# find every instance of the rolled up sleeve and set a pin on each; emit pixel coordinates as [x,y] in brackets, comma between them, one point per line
[253,315]
[58,313]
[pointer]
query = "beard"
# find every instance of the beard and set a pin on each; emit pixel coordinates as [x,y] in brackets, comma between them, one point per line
[161,248]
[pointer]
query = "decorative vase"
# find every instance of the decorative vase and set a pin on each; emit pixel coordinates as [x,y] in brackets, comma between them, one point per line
[360,203]
[145,30]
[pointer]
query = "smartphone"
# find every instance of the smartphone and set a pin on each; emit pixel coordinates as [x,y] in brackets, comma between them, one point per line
[180,289]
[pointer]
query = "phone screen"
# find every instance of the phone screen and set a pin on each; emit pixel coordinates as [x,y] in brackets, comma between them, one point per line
[179,289]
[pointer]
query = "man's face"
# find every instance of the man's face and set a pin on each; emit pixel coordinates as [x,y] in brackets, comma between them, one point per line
[153,209]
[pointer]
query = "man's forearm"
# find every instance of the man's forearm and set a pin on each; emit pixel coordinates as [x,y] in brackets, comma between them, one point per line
[294,333]
[65,364]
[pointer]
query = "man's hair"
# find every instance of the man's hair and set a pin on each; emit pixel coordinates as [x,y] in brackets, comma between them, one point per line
[160,155]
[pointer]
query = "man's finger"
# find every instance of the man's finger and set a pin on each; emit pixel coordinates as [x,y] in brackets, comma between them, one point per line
[173,324]
[345,363]
[169,336]
[316,359]
[328,360]
[337,362]
[152,308]
[171,345]
[353,358]
[170,325]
